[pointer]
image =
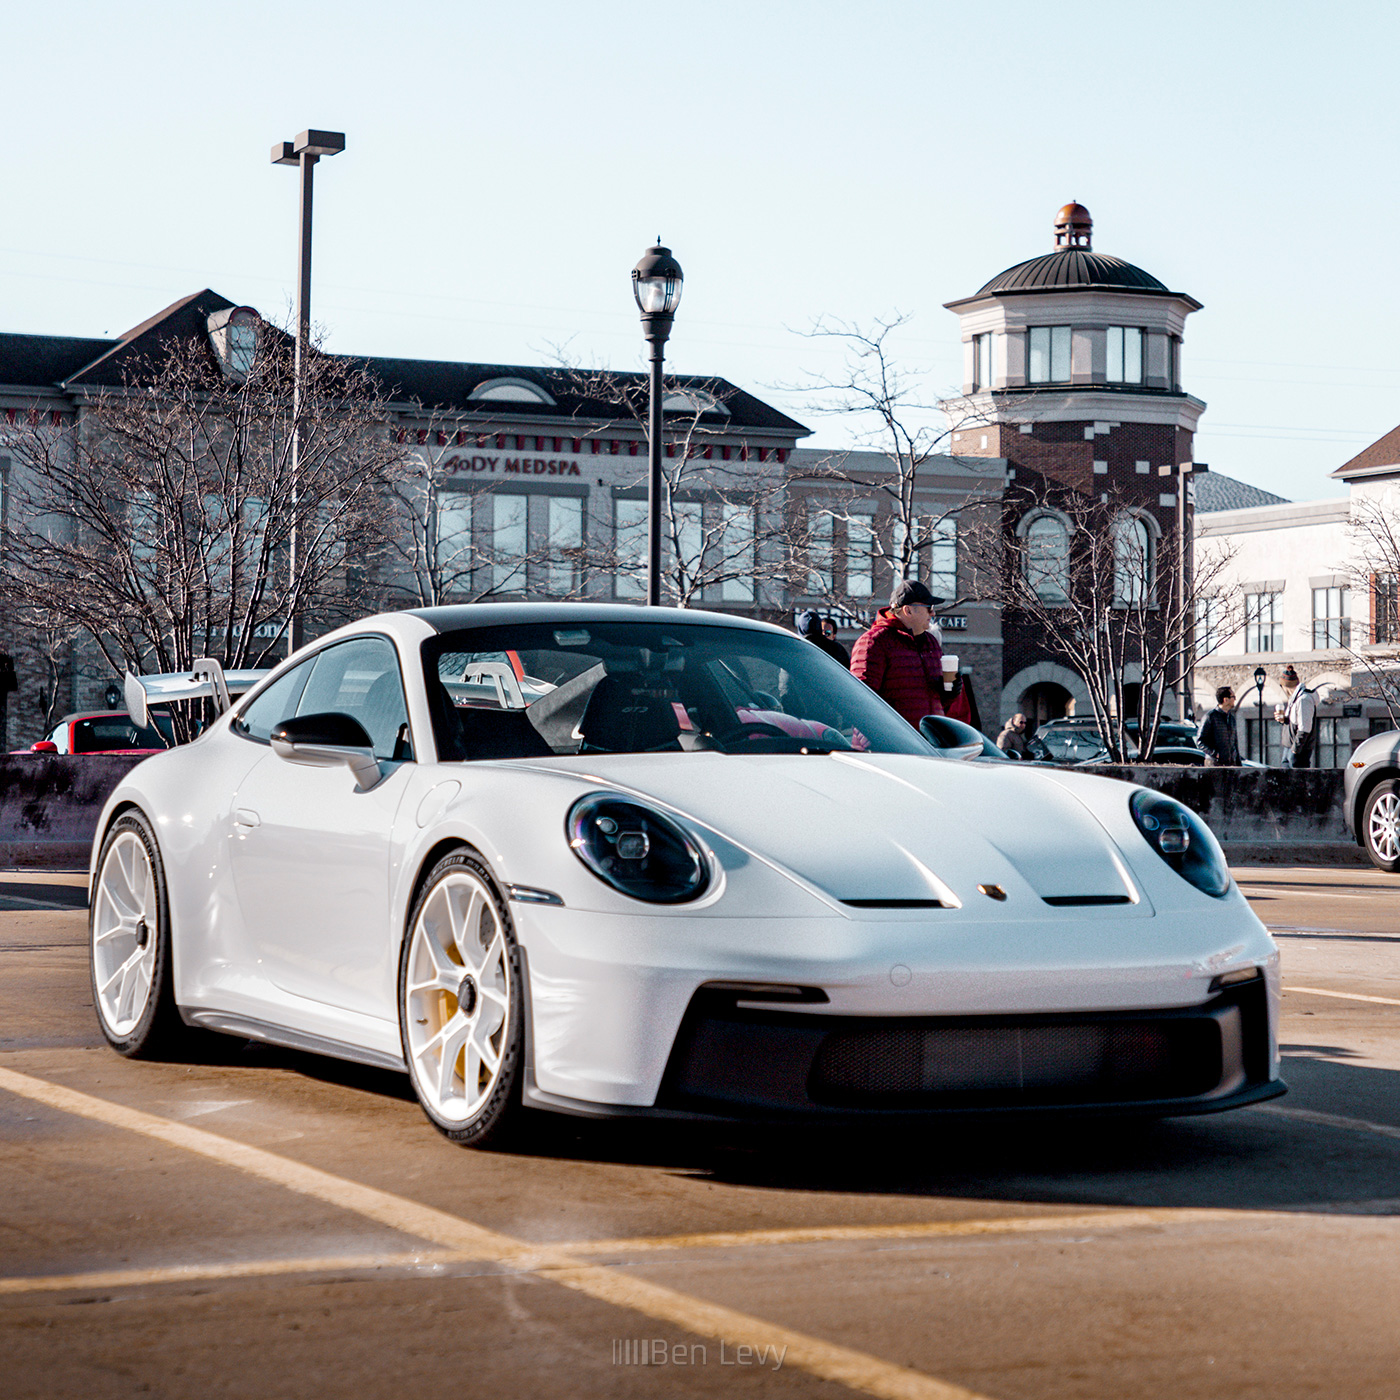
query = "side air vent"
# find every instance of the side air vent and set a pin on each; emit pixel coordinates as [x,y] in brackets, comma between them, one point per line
[1073,901]
[894,903]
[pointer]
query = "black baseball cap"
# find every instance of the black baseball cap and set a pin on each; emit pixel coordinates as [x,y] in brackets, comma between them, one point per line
[910,590]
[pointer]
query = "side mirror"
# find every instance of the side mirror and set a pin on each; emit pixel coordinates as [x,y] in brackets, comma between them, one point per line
[325,741]
[44,746]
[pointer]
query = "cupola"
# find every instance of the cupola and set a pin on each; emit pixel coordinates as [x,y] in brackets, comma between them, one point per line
[1074,228]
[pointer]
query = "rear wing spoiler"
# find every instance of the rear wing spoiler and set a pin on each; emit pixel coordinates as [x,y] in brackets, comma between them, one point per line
[205,678]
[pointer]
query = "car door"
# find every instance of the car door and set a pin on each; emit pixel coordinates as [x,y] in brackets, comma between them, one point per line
[310,853]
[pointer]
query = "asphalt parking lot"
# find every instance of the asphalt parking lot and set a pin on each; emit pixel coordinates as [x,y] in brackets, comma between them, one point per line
[263,1223]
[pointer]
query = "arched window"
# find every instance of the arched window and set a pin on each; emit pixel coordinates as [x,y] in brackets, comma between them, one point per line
[1132,561]
[1047,558]
[509,389]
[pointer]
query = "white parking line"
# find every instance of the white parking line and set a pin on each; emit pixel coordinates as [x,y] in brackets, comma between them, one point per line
[1344,996]
[1329,1120]
[825,1360]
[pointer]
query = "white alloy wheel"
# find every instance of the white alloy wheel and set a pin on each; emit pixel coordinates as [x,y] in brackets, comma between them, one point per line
[125,934]
[458,998]
[1382,826]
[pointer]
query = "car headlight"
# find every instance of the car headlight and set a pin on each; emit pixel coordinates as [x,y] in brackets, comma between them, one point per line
[1183,840]
[636,850]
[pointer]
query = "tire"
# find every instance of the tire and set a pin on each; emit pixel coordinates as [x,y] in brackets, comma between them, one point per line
[461,1015]
[129,955]
[1380,825]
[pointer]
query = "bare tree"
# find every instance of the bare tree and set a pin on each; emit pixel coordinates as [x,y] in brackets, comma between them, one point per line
[443,545]
[157,521]
[907,434]
[722,508]
[1095,593]
[1373,642]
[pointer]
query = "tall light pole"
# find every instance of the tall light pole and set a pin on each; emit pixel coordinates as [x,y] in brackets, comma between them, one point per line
[304,152]
[656,283]
[1260,676]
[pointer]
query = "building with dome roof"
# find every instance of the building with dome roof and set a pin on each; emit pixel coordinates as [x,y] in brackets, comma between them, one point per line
[1072,375]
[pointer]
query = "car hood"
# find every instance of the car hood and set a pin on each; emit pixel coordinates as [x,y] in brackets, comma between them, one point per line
[886,828]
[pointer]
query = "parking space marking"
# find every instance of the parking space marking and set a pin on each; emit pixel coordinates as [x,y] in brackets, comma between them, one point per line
[825,1360]
[1345,996]
[100,1281]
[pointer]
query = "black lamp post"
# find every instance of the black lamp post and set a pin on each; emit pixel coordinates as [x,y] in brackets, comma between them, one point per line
[1260,677]
[303,153]
[656,283]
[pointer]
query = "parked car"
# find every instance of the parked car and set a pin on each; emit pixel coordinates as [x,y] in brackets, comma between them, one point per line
[1371,798]
[611,893]
[106,731]
[1080,741]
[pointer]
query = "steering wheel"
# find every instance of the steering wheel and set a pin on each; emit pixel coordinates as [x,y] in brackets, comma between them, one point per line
[750,729]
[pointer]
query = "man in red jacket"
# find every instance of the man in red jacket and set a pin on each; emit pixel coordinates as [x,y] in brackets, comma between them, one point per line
[899,657]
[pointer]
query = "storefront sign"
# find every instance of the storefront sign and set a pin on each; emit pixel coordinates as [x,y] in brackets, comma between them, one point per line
[511,466]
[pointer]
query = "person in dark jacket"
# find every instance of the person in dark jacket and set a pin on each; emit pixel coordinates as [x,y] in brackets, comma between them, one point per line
[809,625]
[837,650]
[899,656]
[1218,736]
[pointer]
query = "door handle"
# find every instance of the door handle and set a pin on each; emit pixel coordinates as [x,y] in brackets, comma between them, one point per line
[246,817]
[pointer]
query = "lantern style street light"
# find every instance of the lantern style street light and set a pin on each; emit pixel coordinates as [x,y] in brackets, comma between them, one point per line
[1260,676]
[656,283]
[304,152]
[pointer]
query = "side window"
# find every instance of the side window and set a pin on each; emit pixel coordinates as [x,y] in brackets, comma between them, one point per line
[60,737]
[276,703]
[360,678]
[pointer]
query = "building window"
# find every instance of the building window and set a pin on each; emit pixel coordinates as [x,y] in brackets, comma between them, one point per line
[982,361]
[819,552]
[1049,355]
[1333,746]
[1174,363]
[1047,558]
[565,572]
[1263,621]
[453,536]
[630,548]
[1124,355]
[1331,619]
[736,555]
[509,542]
[1385,609]
[1132,561]
[860,554]
[1272,751]
[943,559]
[1210,630]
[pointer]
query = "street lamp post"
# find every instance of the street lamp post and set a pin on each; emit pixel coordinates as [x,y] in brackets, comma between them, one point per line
[304,152]
[656,283]
[1259,679]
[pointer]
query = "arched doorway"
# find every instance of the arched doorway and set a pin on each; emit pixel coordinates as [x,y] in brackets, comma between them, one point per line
[1042,701]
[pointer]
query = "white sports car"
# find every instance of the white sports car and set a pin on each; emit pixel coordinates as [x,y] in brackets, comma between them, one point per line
[614,860]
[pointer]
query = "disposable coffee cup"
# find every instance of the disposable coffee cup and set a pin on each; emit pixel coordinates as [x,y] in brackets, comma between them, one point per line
[950,665]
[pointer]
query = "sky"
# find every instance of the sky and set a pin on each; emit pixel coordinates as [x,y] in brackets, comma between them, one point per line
[507,163]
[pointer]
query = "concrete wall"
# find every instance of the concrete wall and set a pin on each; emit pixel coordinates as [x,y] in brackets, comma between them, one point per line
[1260,814]
[49,805]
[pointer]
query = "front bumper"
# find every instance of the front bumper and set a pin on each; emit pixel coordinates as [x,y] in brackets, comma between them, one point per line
[738,1061]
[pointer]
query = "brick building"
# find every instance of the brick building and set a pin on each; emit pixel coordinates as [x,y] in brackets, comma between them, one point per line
[1073,377]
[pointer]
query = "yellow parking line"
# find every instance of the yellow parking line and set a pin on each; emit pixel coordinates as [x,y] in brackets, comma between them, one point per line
[854,1369]
[920,1230]
[100,1281]
[1345,996]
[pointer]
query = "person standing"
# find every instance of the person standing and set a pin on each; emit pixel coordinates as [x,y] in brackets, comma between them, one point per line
[1218,736]
[809,626]
[1012,740]
[1299,719]
[835,647]
[899,656]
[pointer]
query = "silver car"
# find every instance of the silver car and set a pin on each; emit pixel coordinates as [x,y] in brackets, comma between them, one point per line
[1371,798]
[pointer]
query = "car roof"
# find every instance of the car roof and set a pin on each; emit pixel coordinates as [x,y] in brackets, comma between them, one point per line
[458,617]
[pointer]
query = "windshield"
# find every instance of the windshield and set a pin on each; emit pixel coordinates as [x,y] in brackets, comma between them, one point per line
[541,689]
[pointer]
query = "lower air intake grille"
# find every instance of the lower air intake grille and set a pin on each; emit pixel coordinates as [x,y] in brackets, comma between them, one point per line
[1094,1060]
